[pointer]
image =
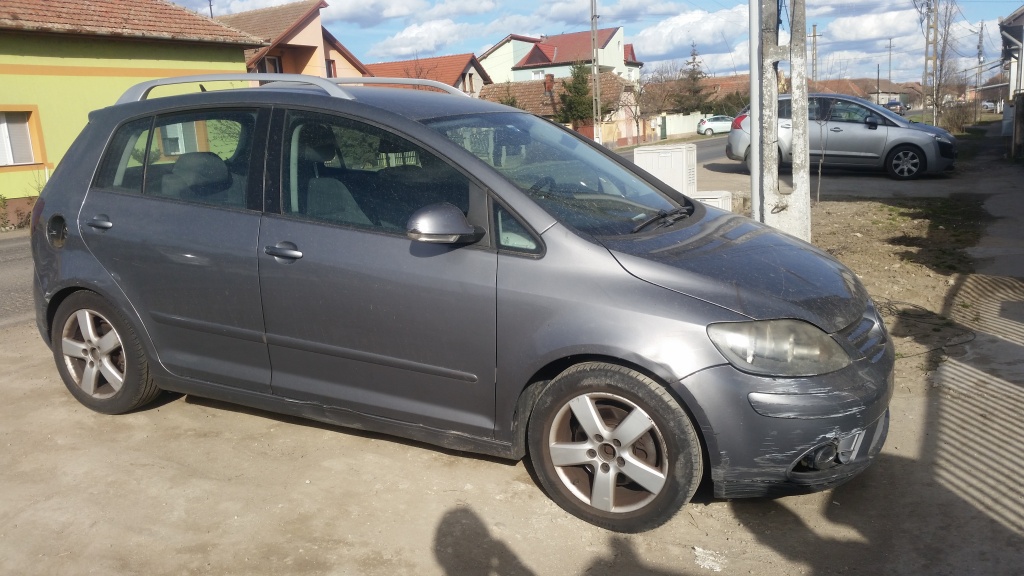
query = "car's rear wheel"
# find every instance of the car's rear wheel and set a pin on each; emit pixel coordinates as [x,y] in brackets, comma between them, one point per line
[709,132]
[99,356]
[905,163]
[614,448]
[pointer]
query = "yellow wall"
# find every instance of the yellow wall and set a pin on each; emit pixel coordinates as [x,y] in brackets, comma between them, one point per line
[60,79]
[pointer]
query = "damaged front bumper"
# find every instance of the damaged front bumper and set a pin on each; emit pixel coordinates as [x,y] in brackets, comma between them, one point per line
[773,436]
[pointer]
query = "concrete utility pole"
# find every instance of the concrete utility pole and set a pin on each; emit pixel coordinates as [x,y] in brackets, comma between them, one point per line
[814,52]
[789,212]
[930,80]
[595,70]
[889,87]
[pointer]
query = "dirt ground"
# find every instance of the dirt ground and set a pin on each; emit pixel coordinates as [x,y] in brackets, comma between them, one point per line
[190,486]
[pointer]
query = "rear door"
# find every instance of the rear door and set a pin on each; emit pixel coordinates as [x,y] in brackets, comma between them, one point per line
[174,217]
[358,316]
[815,129]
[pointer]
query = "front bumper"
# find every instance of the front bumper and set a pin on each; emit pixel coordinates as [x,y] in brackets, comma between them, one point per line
[763,435]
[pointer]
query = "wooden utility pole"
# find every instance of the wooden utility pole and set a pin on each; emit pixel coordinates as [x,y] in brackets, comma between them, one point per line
[785,210]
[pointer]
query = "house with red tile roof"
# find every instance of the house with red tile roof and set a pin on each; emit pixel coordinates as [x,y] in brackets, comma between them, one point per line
[463,71]
[61,60]
[516,58]
[541,97]
[296,41]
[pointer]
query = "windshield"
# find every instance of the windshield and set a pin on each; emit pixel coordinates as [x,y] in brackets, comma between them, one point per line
[575,183]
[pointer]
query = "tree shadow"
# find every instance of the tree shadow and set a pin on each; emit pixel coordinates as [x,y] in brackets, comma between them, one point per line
[464,547]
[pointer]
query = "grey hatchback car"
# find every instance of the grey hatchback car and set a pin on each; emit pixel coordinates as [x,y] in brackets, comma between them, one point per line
[457,272]
[849,132]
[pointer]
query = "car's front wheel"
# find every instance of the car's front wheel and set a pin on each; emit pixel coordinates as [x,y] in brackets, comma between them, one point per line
[905,163]
[614,448]
[99,357]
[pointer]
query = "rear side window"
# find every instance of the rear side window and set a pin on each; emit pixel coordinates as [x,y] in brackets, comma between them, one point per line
[200,157]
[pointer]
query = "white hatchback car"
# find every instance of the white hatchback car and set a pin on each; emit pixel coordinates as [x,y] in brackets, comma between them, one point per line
[714,125]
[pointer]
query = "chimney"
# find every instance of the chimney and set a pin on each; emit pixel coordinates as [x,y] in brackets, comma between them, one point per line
[549,85]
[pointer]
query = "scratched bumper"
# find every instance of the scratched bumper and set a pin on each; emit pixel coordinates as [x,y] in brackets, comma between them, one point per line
[757,430]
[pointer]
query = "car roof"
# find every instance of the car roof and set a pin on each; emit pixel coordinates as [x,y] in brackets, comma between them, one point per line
[427,99]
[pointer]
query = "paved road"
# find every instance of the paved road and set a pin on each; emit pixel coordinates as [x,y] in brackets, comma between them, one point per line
[708,150]
[15,278]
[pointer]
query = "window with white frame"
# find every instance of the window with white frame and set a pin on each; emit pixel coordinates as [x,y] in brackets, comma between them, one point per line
[15,139]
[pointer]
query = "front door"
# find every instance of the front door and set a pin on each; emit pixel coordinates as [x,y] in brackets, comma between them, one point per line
[359,316]
[851,141]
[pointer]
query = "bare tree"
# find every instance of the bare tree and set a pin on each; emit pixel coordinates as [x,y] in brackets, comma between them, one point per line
[417,69]
[946,73]
[660,83]
[634,104]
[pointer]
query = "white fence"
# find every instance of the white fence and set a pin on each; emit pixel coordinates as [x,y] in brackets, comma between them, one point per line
[678,124]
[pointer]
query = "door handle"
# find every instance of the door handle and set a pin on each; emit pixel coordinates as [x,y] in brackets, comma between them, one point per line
[836,129]
[785,125]
[100,221]
[285,250]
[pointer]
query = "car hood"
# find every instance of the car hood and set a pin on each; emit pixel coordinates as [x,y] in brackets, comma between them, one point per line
[746,267]
[930,129]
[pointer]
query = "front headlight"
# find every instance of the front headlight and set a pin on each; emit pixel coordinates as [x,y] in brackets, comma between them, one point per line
[778,347]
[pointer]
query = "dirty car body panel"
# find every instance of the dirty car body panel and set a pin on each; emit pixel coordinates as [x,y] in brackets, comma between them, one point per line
[459,273]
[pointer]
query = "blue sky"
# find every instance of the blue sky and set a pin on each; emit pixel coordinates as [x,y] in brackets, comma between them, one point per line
[854,35]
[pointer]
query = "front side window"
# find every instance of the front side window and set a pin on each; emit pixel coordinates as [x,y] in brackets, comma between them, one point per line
[571,180]
[200,157]
[843,111]
[15,139]
[341,171]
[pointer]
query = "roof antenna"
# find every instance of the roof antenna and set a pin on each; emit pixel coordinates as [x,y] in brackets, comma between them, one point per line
[202,88]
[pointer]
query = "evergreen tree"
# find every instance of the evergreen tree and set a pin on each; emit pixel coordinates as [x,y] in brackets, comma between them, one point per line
[691,97]
[577,102]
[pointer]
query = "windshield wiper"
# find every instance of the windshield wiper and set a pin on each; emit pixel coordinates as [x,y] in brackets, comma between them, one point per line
[664,218]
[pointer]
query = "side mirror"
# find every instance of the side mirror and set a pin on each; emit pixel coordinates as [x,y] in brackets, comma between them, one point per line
[442,224]
[872,122]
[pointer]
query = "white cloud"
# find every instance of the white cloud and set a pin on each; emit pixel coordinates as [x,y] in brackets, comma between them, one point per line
[712,32]
[457,8]
[872,26]
[421,39]
[573,12]
[626,11]
[846,8]
[367,13]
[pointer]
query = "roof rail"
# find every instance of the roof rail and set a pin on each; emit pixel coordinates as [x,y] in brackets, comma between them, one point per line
[140,91]
[402,81]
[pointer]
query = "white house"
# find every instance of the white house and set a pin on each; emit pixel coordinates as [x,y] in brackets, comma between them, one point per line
[516,58]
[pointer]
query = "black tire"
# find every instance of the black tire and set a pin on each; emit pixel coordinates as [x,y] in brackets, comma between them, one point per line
[642,452]
[99,357]
[905,163]
[709,132]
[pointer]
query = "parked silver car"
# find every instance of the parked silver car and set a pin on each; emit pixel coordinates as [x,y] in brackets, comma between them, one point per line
[849,132]
[457,272]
